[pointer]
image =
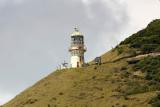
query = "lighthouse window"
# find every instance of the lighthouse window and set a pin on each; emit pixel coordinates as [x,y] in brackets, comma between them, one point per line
[77,40]
[81,39]
[73,39]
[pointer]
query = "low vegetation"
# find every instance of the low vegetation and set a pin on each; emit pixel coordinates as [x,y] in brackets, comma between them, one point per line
[151,67]
[146,40]
[155,101]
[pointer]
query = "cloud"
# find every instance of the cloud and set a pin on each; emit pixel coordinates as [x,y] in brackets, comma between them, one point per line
[3,3]
[106,19]
[140,12]
[35,36]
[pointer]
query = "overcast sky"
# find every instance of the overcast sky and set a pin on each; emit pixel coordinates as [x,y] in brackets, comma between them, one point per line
[35,34]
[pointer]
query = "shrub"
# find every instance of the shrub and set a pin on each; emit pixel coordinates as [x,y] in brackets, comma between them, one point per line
[146,48]
[120,50]
[60,93]
[135,88]
[155,101]
[125,74]
[147,40]
[151,66]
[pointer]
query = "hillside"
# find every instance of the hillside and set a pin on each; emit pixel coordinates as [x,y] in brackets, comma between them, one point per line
[129,76]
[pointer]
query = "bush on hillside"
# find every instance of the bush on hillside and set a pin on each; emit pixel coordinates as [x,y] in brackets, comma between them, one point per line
[151,67]
[155,101]
[120,50]
[135,87]
[146,40]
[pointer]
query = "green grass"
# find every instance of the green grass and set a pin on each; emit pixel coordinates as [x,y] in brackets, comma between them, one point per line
[92,86]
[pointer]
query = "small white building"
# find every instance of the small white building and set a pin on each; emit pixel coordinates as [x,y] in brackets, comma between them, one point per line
[77,49]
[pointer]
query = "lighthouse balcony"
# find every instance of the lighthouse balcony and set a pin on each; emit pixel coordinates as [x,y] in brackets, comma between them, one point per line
[77,45]
[73,48]
[78,48]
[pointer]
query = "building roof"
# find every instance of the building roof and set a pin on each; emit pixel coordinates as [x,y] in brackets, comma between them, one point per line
[76,33]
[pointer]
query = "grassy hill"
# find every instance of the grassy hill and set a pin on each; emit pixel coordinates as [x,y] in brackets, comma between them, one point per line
[117,82]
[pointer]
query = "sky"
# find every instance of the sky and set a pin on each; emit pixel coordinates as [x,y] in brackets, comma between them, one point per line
[35,34]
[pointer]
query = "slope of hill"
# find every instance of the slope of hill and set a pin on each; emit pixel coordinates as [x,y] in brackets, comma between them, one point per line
[120,81]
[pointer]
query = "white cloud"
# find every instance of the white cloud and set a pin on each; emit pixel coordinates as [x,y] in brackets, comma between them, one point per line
[3,3]
[142,12]
[18,2]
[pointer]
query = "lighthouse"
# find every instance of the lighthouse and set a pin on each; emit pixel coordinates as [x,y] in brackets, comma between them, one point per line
[77,49]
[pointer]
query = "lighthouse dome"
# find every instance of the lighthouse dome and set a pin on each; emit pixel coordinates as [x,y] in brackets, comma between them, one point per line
[76,33]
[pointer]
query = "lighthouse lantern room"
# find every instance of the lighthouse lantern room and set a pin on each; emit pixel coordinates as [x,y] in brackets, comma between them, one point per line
[77,49]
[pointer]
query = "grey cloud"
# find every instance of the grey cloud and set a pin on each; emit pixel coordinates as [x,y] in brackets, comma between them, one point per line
[35,35]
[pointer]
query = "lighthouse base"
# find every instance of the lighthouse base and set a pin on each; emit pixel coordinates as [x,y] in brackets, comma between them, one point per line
[76,62]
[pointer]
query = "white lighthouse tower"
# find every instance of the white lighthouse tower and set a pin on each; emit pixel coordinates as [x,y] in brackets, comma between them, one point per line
[77,49]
